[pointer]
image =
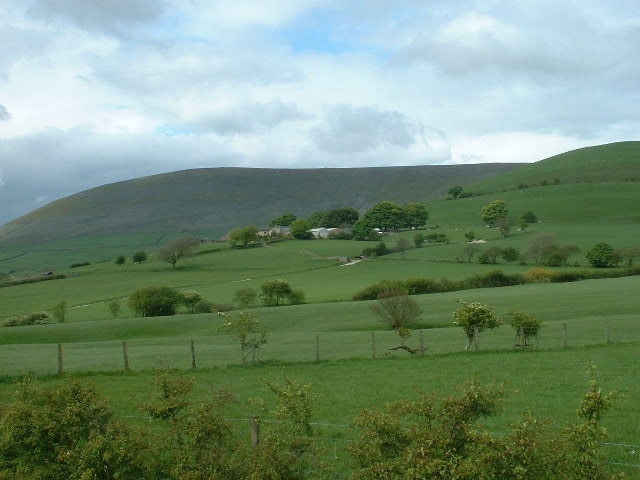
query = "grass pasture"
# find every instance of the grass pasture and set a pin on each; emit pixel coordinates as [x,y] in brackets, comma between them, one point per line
[588,321]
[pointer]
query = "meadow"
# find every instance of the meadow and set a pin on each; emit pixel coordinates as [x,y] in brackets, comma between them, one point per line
[329,341]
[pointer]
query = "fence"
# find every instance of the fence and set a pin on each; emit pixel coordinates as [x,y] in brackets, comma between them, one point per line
[329,346]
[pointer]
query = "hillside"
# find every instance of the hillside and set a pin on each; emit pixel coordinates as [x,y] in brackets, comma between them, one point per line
[614,162]
[217,199]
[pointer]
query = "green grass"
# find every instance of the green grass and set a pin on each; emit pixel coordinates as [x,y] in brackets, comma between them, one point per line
[547,379]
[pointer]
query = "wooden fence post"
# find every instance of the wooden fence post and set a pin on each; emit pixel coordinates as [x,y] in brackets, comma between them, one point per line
[564,335]
[125,354]
[606,333]
[373,345]
[317,347]
[60,360]
[193,355]
[476,339]
[421,342]
[255,431]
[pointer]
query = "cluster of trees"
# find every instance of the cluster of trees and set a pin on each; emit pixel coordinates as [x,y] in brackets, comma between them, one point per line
[389,216]
[543,249]
[69,431]
[154,301]
[399,311]
[138,257]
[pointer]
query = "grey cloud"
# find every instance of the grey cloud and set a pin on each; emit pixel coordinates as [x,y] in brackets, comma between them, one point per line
[107,16]
[258,117]
[357,129]
[79,159]
[4,114]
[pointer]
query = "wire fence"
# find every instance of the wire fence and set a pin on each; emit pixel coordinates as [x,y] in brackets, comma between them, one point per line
[223,350]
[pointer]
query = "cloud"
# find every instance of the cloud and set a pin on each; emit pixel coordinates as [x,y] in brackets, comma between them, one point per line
[4,114]
[105,90]
[358,129]
[256,117]
[105,16]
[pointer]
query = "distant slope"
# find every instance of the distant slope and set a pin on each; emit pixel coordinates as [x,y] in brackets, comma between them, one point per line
[614,162]
[218,199]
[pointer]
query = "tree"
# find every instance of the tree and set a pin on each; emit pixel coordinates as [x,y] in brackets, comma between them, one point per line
[362,231]
[386,216]
[475,317]
[504,226]
[300,229]
[154,301]
[510,254]
[455,191]
[60,311]
[494,211]
[415,215]
[190,298]
[491,255]
[418,240]
[340,217]
[178,249]
[245,297]
[283,220]
[529,217]
[470,236]
[628,255]
[526,327]
[539,247]
[120,260]
[397,309]
[469,251]
[114,308]
[139,257]
[402,245]
[243,236]
[274,293]
[602,255]
[246,330]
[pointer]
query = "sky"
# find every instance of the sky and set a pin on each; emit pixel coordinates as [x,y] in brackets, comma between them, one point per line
[93,92]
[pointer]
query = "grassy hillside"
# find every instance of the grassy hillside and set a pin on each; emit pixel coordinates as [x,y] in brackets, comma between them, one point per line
[592,320]
[217,199]
[615,162]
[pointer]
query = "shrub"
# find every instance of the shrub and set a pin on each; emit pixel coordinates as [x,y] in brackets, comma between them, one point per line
[60,311]
[154,301]
[80,264]
[602,255]
[420,286]
[204,306]
[373,291]
[139,257]
[245,297]
[526,326]
[34,318]
[273,293]
[538,275]
[495,278]
[114,308]
[296,297]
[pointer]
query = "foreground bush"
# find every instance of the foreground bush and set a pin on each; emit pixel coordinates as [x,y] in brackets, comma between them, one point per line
[427,439]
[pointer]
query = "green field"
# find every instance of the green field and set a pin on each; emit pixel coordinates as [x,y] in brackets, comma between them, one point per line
[330,341]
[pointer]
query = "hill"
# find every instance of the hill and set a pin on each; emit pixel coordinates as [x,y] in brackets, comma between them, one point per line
[214,200]
[614,162]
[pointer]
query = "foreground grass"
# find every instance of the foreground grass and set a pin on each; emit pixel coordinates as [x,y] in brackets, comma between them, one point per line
[548,383]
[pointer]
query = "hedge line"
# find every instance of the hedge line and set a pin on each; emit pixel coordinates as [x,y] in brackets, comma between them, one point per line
[493,279]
